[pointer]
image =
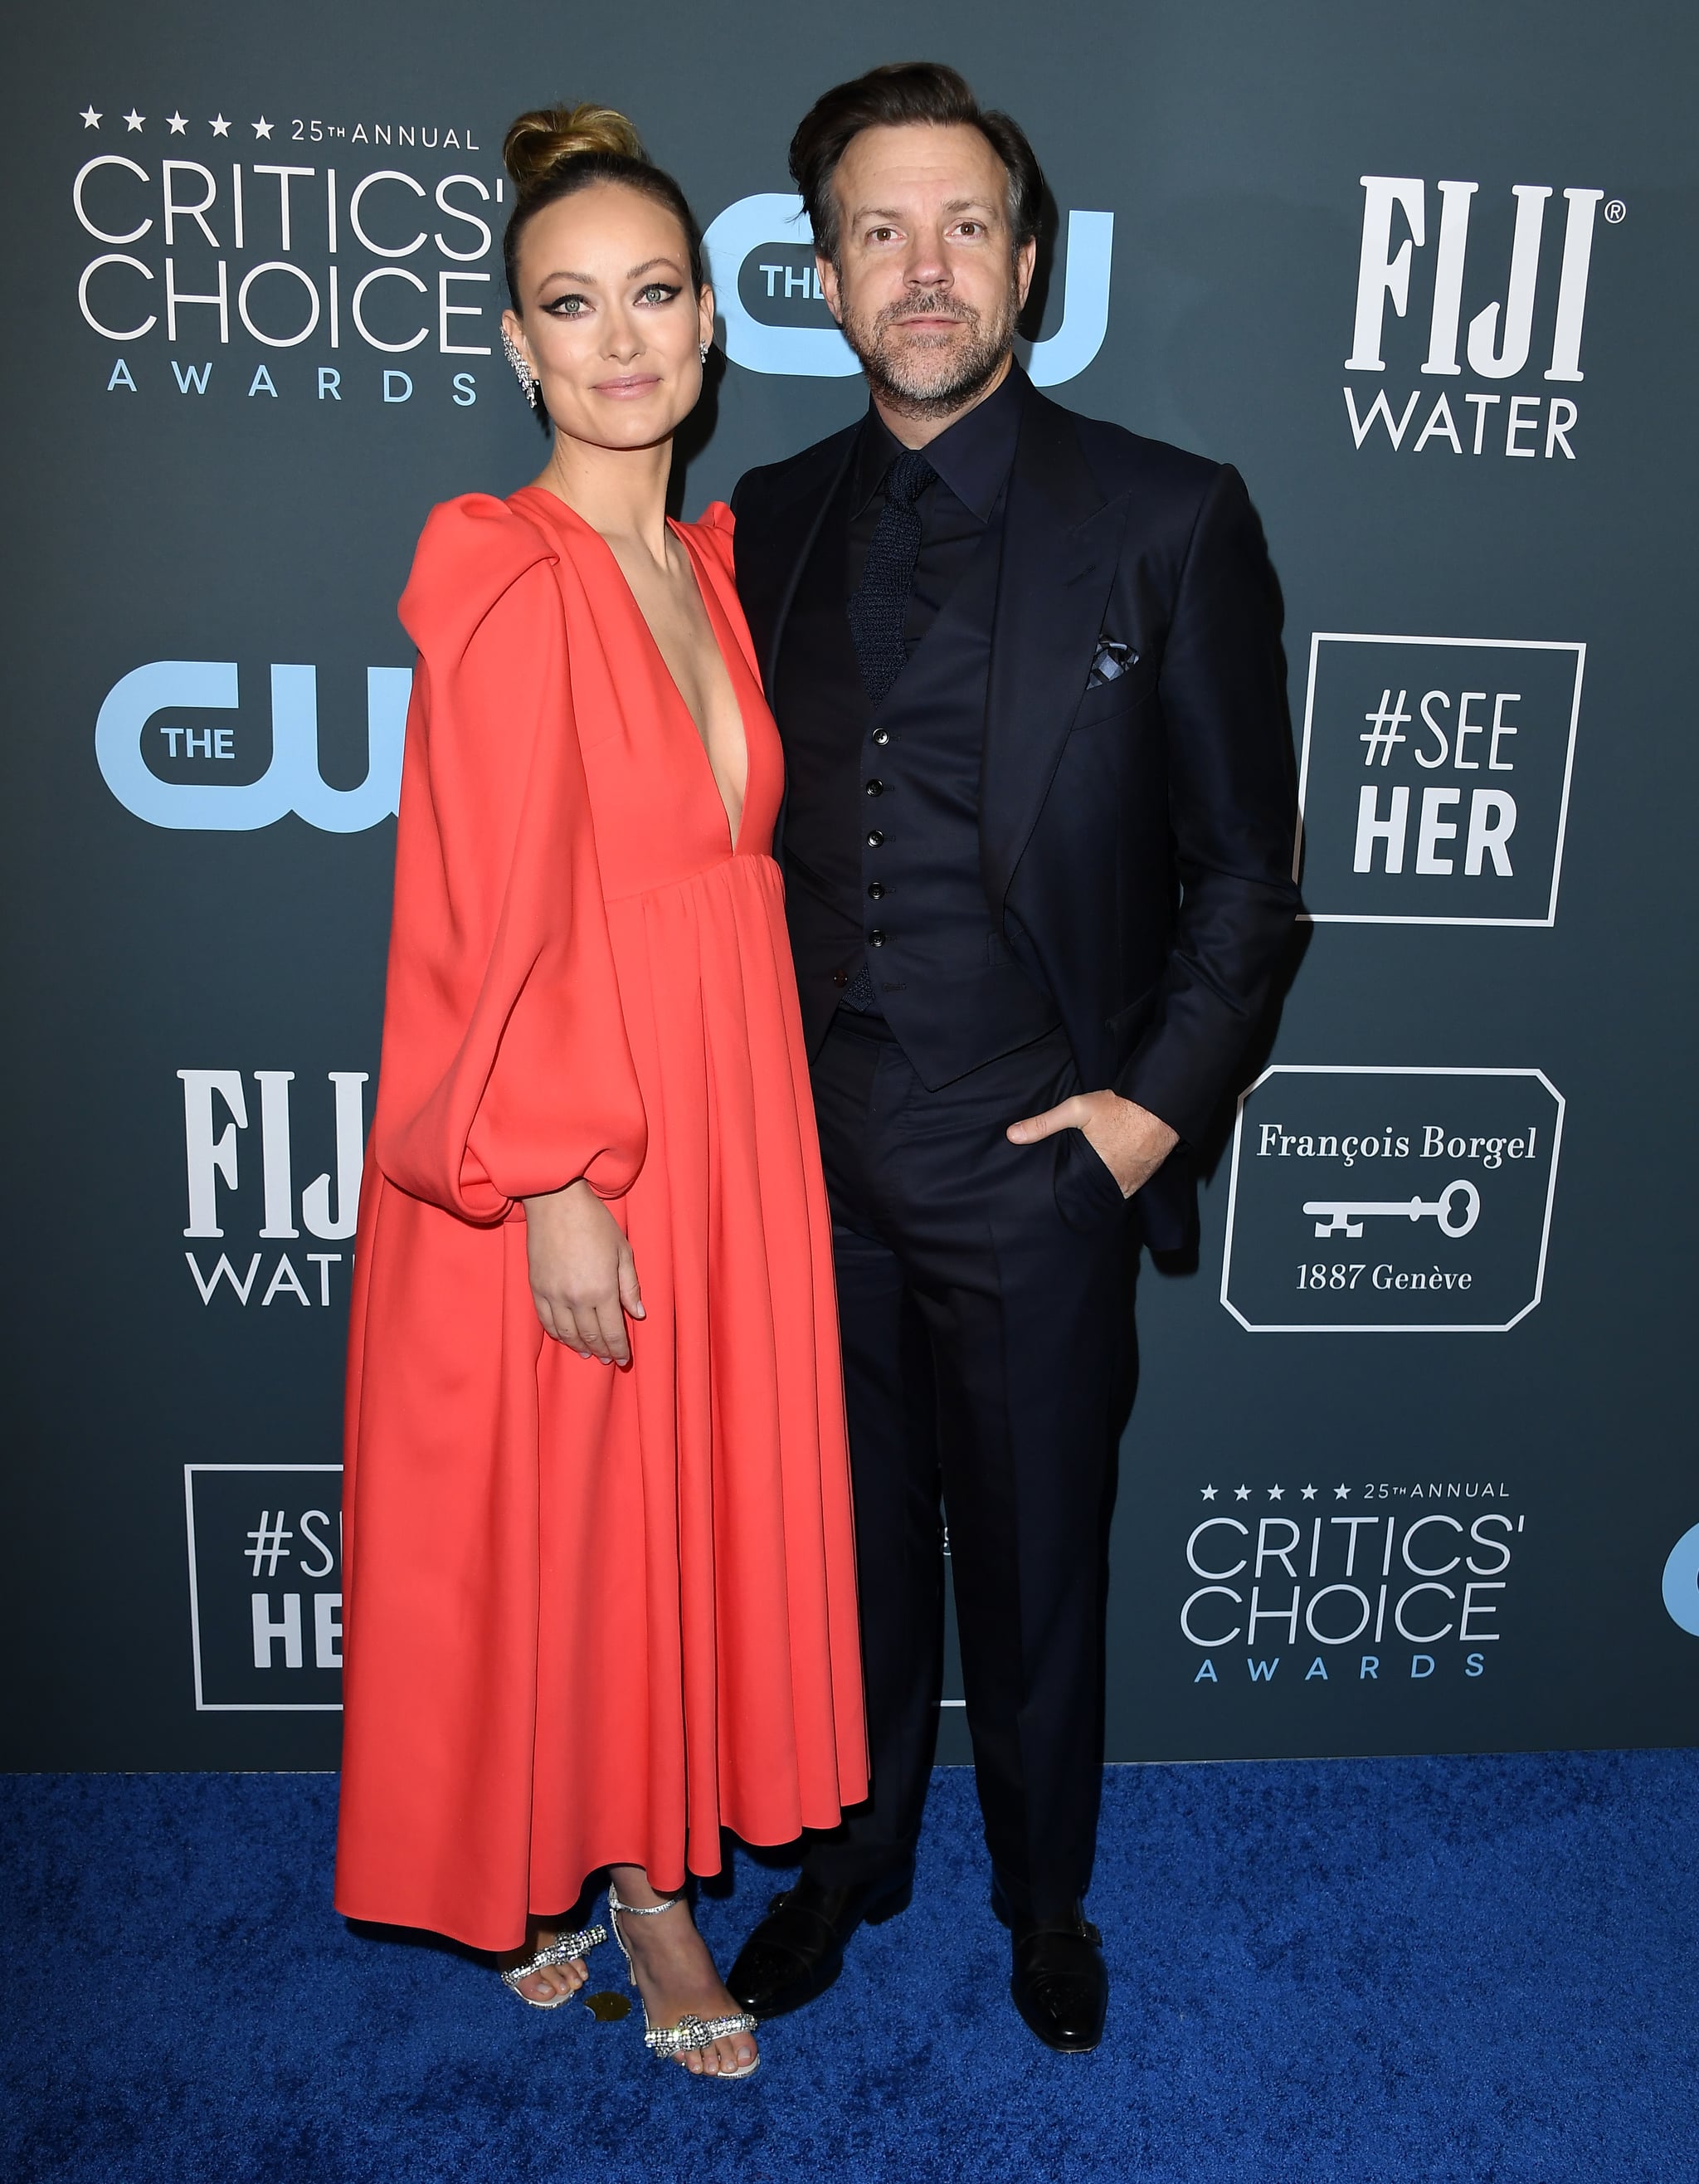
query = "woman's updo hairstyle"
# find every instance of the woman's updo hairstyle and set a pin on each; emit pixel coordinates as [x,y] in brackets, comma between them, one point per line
[559,150]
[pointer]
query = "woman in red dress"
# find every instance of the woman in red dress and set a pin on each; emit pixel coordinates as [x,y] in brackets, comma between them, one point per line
[600,1567]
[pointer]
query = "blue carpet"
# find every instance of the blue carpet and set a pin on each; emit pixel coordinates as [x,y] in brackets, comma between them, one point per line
[1459,1971]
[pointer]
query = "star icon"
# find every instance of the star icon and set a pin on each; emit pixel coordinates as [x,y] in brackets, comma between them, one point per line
[1209,1494]
[221,127]
[1241,1493]
[179,124]
[262,127]
[89,118]
[1276,1493]
[1309,1493]
[133,120]
[1342,1493]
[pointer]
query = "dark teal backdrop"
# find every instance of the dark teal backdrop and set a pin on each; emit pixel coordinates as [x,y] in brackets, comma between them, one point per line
[1410,1468]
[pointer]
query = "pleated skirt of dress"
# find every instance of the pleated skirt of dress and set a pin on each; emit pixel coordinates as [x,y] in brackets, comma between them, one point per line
[697,1663]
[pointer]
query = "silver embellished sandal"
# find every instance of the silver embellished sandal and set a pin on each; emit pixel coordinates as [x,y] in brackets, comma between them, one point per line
[564,1949]
[673,2042]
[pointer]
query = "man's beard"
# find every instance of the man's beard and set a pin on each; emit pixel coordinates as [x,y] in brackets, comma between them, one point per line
[913,383]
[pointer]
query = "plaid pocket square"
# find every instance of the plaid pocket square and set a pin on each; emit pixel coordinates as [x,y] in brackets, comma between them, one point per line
[1110,662]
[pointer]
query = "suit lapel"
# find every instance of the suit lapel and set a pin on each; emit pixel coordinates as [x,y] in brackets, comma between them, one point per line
[785,543]
[1061,541]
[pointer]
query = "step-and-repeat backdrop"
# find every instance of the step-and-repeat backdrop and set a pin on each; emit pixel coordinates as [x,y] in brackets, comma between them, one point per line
[1411,1466]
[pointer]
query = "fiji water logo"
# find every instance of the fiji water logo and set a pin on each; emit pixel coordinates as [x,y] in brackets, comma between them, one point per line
[1487,322]
[161,750]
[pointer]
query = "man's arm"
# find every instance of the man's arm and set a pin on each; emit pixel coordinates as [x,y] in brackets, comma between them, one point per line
[1232,812]
[1232,809]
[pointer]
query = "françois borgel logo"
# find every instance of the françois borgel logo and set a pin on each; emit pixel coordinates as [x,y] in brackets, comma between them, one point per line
[1488,324]
[1433,787]
[1390,1200]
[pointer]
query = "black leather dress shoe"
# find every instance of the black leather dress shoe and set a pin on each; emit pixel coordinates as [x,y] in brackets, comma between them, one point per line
[797,1951]
[1060,1982]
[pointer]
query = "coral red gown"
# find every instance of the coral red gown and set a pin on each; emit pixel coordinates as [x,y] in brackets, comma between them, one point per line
[593,1615]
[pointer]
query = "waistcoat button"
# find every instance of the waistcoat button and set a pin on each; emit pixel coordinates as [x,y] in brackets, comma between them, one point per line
[874,838]
[876,889]
[876,787]
[876,938]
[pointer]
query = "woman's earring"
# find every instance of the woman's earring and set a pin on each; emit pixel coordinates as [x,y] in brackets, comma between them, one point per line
[706,346]
[522,371]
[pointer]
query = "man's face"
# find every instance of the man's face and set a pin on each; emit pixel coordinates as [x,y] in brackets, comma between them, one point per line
[929,285]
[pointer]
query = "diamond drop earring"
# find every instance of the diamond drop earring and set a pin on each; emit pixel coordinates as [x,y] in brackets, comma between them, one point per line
[522,372]
[706,346]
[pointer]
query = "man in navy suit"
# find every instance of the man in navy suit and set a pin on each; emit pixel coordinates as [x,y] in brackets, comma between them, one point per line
[1037,842]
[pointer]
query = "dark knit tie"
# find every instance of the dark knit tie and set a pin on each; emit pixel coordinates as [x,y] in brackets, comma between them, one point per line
[879,611]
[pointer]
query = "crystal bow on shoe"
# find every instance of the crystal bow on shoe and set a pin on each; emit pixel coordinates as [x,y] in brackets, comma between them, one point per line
[564,1949]
[693,2032]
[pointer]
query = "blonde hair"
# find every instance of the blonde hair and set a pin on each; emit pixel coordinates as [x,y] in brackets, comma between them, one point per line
[539,144]
[556,150]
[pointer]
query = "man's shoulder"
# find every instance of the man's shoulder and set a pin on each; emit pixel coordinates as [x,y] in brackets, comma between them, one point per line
[1124,461]
[770,488]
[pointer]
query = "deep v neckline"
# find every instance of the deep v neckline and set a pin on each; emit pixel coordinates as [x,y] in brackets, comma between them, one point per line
[734,834]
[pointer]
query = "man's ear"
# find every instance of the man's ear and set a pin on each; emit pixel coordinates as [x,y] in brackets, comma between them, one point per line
[1026,258]
[827,274]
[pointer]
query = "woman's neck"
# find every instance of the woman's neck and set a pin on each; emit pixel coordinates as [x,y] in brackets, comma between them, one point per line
[620,491]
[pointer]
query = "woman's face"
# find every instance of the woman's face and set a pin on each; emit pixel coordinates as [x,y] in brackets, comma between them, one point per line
[610,323]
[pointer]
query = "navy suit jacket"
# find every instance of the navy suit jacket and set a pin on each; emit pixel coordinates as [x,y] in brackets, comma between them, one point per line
[1135,834]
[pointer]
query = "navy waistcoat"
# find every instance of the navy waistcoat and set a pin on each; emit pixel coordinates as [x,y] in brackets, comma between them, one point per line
[881,838]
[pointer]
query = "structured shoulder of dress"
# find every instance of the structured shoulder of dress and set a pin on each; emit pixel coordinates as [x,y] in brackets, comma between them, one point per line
[471,550]
[714,527]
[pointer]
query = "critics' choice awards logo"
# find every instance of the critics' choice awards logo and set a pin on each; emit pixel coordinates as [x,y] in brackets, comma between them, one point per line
[265,1586]
[1489,325]
[1434,786]
[1389,1200]
[303,259]
[227,1182]
[1398,1591]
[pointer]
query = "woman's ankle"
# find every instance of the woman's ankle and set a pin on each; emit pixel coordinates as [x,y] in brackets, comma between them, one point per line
[632,1886]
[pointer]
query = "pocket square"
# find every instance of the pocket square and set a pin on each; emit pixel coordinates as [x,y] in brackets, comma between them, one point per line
[1110,662]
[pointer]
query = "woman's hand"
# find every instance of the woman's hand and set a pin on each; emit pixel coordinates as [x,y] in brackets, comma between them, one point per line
[583,1279]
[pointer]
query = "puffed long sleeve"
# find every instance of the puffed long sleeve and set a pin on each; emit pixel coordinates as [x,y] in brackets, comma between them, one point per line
[506,1071]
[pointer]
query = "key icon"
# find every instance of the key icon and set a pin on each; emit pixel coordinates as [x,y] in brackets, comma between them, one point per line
[1345,1217]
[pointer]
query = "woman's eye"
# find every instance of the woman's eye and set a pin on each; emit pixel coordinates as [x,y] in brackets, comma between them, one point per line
[567,307]
[657,292]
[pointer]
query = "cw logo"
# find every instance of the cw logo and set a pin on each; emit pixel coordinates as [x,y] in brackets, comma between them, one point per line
[292,783]
[1681,1582]
[757,222]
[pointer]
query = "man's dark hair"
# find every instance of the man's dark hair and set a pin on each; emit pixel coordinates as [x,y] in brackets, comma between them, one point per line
[889,98]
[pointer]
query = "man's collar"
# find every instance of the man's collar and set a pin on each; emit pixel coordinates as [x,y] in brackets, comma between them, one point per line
[973,456]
